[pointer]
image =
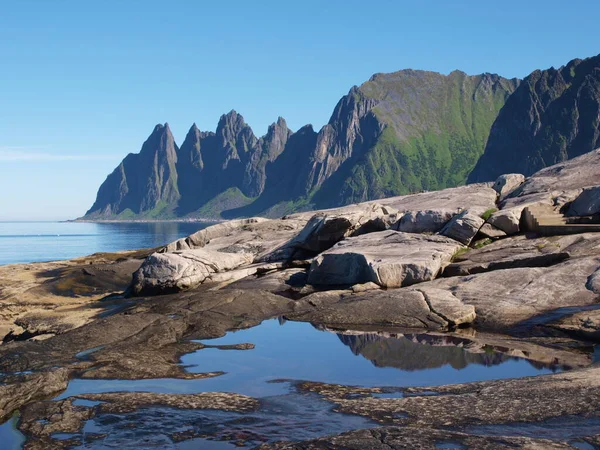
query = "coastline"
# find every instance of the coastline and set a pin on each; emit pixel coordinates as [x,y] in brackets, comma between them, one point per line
[144,221]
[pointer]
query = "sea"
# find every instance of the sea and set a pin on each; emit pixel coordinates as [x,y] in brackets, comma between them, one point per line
[25,242]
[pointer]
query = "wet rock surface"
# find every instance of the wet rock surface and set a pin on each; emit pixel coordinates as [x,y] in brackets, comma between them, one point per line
[458,406]
[386,438]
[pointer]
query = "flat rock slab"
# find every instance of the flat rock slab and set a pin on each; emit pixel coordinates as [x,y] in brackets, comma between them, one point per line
[450,308]
[406,308]
[529,399]
[287,282]
[518,251]
[505,298]
[388,258]
[479,195]
[571,175]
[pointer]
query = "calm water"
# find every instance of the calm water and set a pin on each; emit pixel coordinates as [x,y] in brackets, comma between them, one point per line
[294,351]
[23,242]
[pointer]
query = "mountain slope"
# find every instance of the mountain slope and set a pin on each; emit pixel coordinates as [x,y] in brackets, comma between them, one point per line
[397,133]
[144,184]
[553,116]
[432,129]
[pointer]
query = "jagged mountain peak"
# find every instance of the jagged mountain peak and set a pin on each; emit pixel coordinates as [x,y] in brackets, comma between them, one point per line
[379,137]
[552,116]
[161,128]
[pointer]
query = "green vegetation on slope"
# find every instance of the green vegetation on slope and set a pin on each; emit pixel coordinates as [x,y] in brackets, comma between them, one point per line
[436,129]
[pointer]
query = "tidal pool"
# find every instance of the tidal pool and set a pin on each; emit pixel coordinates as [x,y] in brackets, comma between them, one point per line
[291,351]
[10,437]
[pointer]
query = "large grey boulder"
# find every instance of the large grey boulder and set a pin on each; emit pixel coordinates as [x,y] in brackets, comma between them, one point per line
[586,204]
[508,219]
[388,258]
[490,231]
[324,230]
[507,183]
[424,221]
[464,226]
[263,238]
[407,307]
[163,273]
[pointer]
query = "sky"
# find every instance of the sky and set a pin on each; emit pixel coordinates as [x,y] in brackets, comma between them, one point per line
[83,83]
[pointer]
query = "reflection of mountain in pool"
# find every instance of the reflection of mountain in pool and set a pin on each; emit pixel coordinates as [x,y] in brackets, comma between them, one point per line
[418,352]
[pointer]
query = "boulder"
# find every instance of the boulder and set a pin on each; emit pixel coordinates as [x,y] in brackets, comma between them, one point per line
[388,258]
[324,230]
[507,183]
[490,231]
[407,307]
[163,273]
[424,221]
[263,238]
[464,226]
[586,204]
[593,282]
[507,220]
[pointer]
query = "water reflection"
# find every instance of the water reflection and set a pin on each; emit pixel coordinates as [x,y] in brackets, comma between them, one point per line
[294,350]
[414,352]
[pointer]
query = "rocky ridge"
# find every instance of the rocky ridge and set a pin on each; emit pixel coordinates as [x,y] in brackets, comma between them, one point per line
[552,116]
[380,135]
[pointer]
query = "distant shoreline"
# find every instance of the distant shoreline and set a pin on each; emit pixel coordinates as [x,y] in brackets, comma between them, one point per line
[144,221]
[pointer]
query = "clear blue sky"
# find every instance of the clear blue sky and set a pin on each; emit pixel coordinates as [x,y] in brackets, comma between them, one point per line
[82,83]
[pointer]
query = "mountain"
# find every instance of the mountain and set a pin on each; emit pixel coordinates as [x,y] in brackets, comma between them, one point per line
[554,115]
[397,133]
[144,183]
